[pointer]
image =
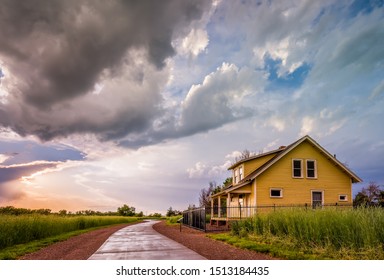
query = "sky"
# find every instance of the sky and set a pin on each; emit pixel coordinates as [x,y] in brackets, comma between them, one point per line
[105,103]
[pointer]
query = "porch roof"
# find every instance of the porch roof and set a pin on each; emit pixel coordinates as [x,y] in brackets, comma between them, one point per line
[234,189]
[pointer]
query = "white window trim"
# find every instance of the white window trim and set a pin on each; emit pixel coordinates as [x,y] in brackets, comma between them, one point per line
[276,189]
[322,196]
[235,176]
[306,168]
[343,200]
[241,173]
[302,168]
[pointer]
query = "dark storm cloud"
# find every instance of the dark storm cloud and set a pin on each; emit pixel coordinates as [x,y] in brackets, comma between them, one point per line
[54,52]
[15,172]
[22,152]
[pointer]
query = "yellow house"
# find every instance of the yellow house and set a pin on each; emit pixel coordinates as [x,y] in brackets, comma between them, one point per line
[303,173]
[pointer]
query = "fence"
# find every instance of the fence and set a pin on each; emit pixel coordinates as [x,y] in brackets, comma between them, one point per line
[219,218]
[196,218]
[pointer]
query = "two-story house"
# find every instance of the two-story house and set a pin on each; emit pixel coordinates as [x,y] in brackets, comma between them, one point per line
[303,173]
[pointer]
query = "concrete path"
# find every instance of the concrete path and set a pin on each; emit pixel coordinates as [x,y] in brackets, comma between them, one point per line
[142,242]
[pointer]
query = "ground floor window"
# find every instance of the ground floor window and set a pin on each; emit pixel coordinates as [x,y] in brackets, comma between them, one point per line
[343,197]
[276,192]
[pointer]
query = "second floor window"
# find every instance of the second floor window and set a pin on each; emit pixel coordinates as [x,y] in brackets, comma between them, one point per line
[297,168]
[311,169]
[238,174]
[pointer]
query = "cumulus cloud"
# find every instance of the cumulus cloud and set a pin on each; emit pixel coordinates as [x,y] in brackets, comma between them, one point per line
[195,43]
[219,99]
[202,170]
[69,69]
[56,53]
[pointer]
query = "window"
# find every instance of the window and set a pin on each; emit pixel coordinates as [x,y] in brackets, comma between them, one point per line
[311,169]
[343,197]
[276,193]
[240,173]
[296,170]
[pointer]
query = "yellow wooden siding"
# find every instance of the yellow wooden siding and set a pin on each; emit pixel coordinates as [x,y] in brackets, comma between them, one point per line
[252,165]
[330,179]
[245,191]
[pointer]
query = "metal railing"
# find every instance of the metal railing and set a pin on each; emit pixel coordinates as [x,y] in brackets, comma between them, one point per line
[195,218]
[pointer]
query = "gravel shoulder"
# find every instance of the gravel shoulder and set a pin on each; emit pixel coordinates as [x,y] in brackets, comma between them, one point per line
[81,247]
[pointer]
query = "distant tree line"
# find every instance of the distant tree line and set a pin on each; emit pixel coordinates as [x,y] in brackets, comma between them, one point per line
[124,210]
[10,210]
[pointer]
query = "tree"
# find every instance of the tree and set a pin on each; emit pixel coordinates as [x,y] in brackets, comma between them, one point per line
[371,195]
[244,155]
[171,212]
[227,182]
[204,197]
[125,210]
[63,212]
[205,193]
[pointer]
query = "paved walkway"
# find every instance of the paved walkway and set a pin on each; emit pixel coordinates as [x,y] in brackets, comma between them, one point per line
[142,242]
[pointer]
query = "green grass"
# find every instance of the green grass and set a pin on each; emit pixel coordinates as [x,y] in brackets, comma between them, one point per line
[16,251]
[24,229]
[308,234]
[173,220]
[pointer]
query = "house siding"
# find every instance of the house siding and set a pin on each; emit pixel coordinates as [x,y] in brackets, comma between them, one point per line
[252,165]
[331,180]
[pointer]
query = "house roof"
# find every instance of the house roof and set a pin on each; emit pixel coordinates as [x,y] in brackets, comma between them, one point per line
[281,152]
[255,156]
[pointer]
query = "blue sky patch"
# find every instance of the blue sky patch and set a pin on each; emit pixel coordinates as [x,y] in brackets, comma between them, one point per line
[364,6]
[291,80]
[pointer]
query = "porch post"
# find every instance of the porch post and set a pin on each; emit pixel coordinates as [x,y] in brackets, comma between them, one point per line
[219,210]
[212,207]
[228,205]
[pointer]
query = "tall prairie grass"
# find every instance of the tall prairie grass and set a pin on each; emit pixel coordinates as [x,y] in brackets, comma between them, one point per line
[26,228]
[355,230]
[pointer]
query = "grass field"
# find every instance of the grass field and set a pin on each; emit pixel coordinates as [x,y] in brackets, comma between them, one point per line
[23,229]
[319,234]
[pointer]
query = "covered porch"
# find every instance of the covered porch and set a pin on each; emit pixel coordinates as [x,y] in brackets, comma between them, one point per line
[231,204]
